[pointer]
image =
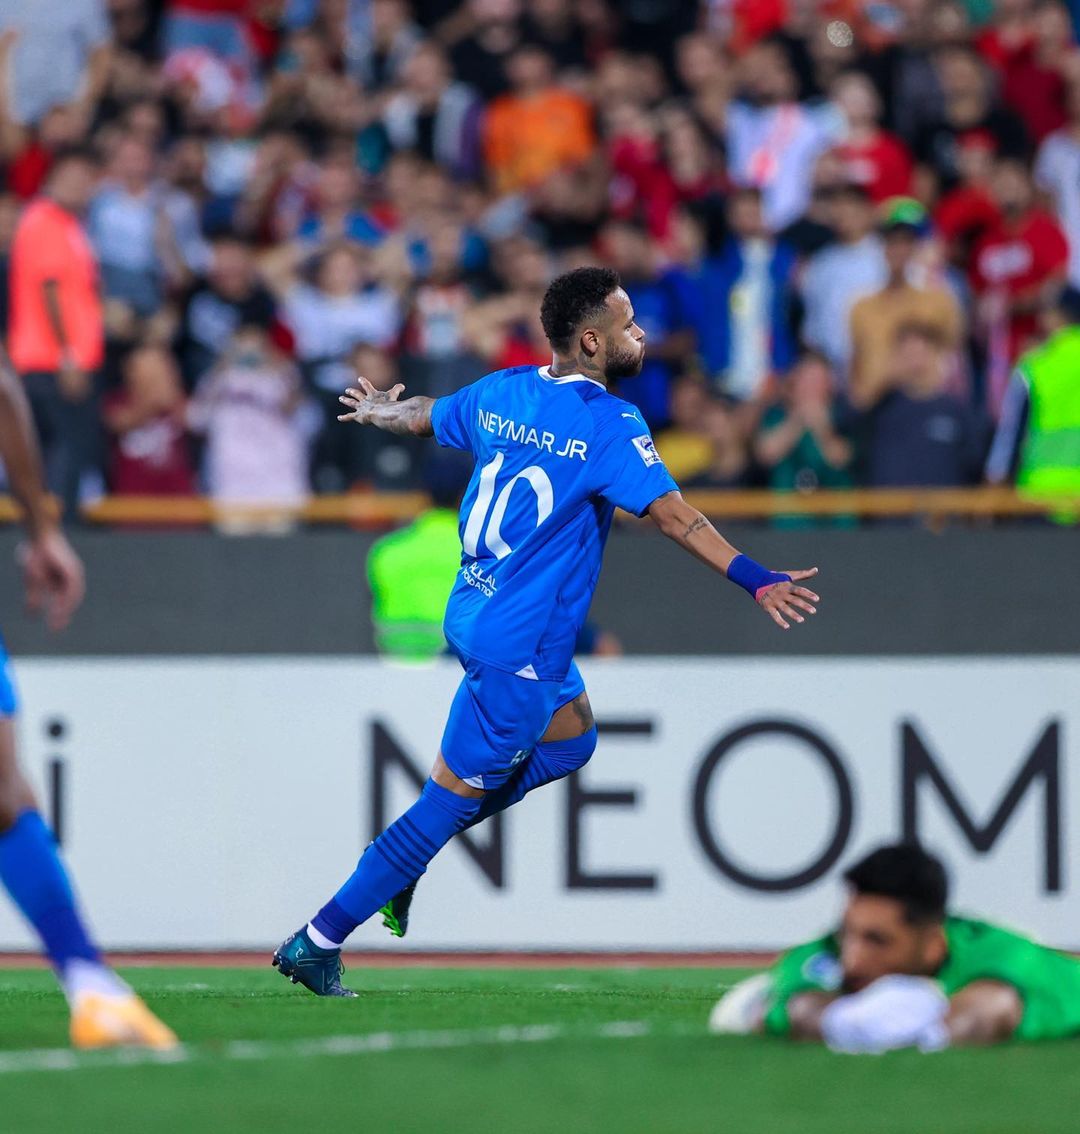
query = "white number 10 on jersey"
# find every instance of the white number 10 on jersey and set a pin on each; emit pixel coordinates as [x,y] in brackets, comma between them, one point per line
[534,476]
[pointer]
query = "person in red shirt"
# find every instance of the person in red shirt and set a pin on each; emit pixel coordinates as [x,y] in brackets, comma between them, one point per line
[872,157]
[1020,260]
[150,453]
[57,339]
[965,213]
[1034,62]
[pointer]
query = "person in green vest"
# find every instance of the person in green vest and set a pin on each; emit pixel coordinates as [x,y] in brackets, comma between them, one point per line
[1037,443]
[411,571]
[901,972]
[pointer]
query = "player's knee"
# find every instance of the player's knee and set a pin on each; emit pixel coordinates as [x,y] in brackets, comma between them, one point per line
[570,754]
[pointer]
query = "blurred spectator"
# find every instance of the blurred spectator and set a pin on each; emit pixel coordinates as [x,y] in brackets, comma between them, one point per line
[659,312]
[876,318]
[839,275]
[917,434]
[435,347]
[147,420]
[412,571]
[772,139]
[505,329]
[492,32]
[556,26]
[801,443]
[131,231]
[729,459]
[814,229]
[248,408]
[684,446]
[872,157]
[1036,69]
[705,74]
[59,56]
[230,296]
[57,336]
[538,128]
[1057,173]
[1037,443]
[434,116]
[344,304]
[337,214]
[1018,262]
[379,59]
[968,106]
[741,303]
[964,213]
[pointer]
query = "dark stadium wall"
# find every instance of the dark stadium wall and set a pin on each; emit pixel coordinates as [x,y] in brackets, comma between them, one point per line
[885,591]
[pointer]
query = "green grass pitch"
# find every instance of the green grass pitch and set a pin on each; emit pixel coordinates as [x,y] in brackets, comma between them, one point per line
[572,1051]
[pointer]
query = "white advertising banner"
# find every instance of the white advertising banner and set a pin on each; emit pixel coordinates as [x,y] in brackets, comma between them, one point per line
[216,803]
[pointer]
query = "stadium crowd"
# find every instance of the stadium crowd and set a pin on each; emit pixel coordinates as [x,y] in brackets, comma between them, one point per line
[840,224]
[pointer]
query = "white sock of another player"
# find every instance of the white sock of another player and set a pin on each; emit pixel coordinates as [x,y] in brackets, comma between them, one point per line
[82,977]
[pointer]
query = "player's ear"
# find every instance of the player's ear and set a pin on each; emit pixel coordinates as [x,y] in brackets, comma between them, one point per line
[590,341]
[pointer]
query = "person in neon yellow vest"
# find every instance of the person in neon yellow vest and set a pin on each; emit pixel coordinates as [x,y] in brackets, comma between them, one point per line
[411,571]
[1038,439]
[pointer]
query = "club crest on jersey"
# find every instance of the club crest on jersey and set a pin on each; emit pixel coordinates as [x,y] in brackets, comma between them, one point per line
[646,450]
[823,969]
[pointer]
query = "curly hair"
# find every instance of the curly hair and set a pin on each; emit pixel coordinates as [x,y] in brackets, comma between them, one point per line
[575,298]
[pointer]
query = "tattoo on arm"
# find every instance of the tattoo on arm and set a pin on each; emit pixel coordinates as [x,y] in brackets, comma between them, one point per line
[695,526]
[411,417]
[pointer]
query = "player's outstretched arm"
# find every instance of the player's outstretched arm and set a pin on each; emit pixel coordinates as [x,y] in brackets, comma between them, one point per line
[381,408]
[775,592]
[983,1012]
[52,572]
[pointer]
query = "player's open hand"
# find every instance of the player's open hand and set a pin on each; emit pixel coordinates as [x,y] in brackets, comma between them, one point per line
[783,601]
[361,402]
[53,576]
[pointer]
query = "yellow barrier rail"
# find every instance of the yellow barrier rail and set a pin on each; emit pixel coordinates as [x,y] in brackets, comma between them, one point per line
[382,509]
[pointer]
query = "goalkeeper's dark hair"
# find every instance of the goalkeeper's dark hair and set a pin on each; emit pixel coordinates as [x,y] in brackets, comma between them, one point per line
[573,299]
[908,873]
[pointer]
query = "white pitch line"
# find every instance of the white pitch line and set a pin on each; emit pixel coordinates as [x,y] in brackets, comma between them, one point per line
[65,1059]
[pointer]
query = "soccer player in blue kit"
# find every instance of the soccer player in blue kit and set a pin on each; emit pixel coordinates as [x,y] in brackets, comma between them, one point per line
[555,453]
[104,1010]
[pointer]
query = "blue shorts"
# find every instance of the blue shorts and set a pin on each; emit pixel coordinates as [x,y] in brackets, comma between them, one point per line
[9,703]
[496,718]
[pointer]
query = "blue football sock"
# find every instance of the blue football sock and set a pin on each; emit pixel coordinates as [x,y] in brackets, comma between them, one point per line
[549,761]
[31,870]
[399,855]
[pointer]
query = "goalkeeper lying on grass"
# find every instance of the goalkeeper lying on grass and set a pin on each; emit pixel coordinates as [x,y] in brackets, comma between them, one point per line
[899,973]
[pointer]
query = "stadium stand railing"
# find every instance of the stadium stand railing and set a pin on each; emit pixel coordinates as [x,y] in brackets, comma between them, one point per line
[375,509]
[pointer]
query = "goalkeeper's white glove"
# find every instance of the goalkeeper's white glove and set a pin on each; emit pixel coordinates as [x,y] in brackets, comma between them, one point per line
[893,1012]
[741,1009]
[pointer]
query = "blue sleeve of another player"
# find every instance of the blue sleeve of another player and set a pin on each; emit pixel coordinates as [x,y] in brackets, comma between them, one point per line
[453,417]
[630,471]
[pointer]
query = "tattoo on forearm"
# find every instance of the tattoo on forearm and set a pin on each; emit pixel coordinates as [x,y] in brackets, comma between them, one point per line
[695,526]
[411,417]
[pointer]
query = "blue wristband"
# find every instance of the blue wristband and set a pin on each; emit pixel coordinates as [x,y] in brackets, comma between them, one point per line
[752,577]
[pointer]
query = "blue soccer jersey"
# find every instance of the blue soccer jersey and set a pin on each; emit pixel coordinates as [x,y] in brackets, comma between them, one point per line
[554,458]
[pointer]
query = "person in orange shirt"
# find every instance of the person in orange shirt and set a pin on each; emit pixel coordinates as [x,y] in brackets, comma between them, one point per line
[56,336]
[538,128]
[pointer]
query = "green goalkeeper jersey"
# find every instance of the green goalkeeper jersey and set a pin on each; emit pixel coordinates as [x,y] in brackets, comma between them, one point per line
[1047,981]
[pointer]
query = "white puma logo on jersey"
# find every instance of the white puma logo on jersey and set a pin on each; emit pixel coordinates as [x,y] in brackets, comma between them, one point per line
[633,415]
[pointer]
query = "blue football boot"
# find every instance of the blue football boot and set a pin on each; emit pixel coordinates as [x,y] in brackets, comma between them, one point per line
[303,962]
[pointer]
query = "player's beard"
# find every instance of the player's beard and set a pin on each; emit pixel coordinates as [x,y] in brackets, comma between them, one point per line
[623,364]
